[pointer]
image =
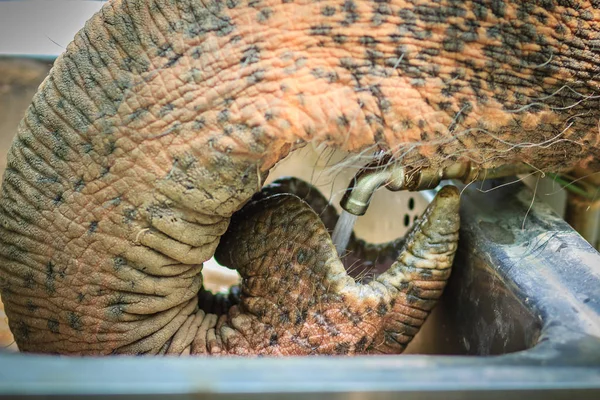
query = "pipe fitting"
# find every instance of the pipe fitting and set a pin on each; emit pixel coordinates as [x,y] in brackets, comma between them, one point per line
[395,177]
[358,196]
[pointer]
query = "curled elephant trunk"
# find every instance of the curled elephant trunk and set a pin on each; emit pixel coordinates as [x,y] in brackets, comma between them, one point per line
[297,298]
[163,118]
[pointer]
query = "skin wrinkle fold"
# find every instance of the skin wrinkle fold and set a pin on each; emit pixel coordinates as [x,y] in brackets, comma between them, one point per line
[184,106]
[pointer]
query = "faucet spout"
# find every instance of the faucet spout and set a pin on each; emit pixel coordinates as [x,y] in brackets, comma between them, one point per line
[395,177]
[358,196]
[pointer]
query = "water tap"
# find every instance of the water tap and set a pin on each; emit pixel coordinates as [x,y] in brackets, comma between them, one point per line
[393,176]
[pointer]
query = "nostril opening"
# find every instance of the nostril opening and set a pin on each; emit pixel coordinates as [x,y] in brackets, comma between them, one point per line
[406,220]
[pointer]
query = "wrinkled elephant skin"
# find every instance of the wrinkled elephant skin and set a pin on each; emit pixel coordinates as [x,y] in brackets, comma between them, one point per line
[163,118]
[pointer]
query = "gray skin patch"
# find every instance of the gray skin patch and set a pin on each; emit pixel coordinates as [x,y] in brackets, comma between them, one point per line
[31,307]
[29,280]
[74,321]
[50,278]
[22,331]
[53,326]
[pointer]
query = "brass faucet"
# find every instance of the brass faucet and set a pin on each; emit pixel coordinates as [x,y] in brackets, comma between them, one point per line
[393,176]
